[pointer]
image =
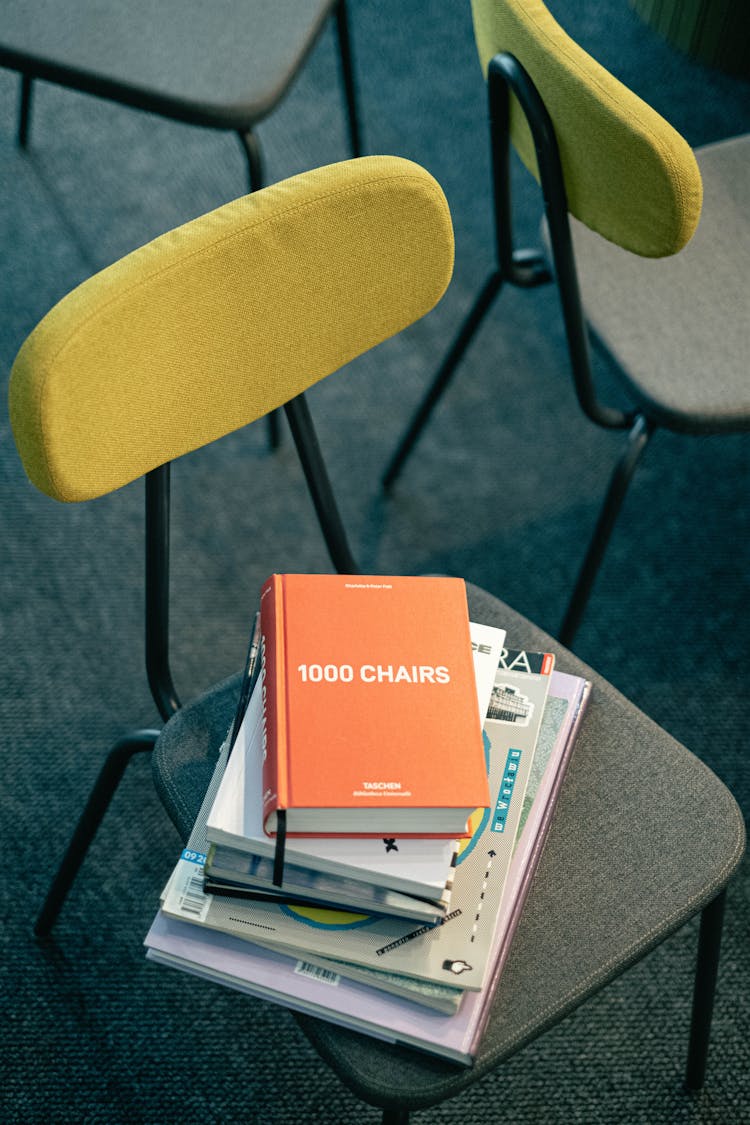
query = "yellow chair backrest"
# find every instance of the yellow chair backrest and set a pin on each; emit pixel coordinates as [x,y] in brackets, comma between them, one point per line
[224,319]
[628,174]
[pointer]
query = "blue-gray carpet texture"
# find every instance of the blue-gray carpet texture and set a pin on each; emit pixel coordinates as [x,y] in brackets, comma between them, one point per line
[502,490]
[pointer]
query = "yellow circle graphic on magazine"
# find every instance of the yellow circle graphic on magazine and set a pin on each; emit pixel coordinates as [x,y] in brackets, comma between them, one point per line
[478,818]
[476,824]
[324,917]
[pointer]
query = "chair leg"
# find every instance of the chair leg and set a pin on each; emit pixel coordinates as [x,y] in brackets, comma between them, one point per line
[706,970]
[254,157]
[319,485]
[347,77]
[622,475]
[24,115]
[444,375]
[88,823]
[255,181]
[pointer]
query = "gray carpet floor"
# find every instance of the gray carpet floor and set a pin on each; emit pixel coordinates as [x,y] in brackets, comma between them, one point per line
[503,490]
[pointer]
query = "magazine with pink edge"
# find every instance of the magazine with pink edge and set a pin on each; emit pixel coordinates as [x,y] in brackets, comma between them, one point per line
[296,984]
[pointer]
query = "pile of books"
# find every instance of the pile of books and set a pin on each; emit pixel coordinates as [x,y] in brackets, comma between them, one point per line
[377,811]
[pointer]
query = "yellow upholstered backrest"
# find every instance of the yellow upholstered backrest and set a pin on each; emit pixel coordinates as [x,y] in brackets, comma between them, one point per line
[628,174]
[224,319]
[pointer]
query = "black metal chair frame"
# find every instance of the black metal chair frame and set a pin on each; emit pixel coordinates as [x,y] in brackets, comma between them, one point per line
[157,508]
[249,142]
[527,269]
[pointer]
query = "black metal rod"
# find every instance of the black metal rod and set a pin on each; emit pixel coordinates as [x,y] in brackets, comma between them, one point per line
[622,474]
[24,114]
[704,989]
[318,482]
[274,429]
[254,158]
[498,99]
[347,77]
[157,592]
[504,74]
[445,372]
[256,179]
[522,268]
[395,1117]
[104,788]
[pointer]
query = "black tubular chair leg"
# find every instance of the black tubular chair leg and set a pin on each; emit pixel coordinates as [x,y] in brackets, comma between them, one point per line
[274,429]
[104,788]
[347,77]
[622,475]
[157,591]
[318,482]
[468,329]
[255,181]
[395,1117]
[254,157]
[706,971]
[24,115]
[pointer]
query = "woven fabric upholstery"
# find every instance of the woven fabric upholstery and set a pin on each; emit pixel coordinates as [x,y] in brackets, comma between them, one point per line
[671,324]
[186,751]
[625,864]
[225,64]
[629,175]
[224,319]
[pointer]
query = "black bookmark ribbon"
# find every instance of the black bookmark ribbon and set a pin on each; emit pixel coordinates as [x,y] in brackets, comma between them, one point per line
[278,857]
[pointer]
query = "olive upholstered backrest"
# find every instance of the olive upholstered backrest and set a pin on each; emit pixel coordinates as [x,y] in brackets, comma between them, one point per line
[222,320]
[628,174]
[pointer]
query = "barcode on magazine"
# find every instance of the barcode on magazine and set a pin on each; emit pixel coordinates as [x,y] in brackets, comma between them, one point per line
[325,976]
[193,902]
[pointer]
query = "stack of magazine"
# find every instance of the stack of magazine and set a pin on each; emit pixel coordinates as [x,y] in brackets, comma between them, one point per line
[403,938]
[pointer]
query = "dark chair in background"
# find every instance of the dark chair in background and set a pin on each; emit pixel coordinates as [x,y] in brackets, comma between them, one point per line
[671,312]
[210,327]
[224,66]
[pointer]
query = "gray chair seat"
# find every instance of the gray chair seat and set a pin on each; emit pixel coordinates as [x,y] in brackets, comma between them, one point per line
[670,322]
[224,64]
[624,866]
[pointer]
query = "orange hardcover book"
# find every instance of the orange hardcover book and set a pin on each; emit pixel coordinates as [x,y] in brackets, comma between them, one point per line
[369,706]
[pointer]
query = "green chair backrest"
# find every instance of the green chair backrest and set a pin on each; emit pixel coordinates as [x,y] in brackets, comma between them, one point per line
[628,174]
[224,319]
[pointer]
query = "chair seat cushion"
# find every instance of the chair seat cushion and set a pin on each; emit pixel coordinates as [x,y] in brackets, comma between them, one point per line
[627,861]
[224,64]
[679,327]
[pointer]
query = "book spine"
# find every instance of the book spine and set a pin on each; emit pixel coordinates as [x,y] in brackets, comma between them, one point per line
[273,694]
